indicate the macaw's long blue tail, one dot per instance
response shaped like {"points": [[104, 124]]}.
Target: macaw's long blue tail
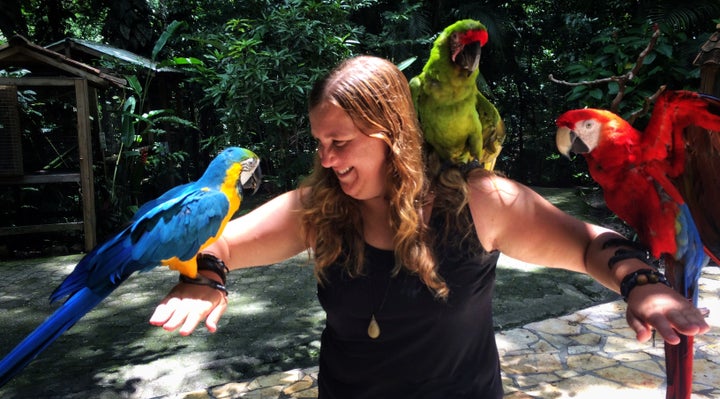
{"points": [[47, 332]]}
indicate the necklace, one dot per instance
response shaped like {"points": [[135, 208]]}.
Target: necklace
{"points": [[373, 329]]}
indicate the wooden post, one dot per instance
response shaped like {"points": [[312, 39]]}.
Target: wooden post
{"points": [[708, 59], [85, 152]]}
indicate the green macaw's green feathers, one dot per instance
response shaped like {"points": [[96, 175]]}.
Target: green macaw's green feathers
{"points": [[457, 120]]}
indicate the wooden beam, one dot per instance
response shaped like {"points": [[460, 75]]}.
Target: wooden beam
{"points": [[40, 228], [8, 52], [65, 67], [41, 179], [86, 173], [47, 81]]}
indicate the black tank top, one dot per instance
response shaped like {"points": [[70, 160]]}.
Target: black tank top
{"points": [[428, 348]]}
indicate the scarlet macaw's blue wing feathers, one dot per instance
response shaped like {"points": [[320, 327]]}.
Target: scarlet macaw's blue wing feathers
{"points": [[690, 253], [169, 230]]}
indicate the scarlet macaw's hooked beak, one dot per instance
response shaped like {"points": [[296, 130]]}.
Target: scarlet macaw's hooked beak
{"points": [[568, 142]]}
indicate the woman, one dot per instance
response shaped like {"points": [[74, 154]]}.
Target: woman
{"points": [[405, 251]]}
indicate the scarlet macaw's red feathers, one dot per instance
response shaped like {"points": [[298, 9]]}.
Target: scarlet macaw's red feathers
{"points": [[664, 183]]}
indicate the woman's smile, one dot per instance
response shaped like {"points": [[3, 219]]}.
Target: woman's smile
{"points": [[341, 142], [343, 172]]}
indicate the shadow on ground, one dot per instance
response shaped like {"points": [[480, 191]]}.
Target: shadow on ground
{"points": [[273, 324]]}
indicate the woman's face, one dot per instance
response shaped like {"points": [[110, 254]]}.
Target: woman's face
{"points": [[358, 160]]}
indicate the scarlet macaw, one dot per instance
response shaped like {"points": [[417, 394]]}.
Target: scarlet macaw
{"points": [[457, 120], [664, 185], [169, 230]]}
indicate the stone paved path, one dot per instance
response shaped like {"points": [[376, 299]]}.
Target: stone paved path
{"points": [[590, 353]]}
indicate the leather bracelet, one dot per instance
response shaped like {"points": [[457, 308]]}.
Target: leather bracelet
{"points": [[211, 263], [202, 280], [636, 251], [641, 277]]}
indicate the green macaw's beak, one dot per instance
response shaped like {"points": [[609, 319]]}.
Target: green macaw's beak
{"points": [[468, 58]]}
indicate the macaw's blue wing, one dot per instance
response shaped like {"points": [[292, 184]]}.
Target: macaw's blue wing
{"points": [[180, 229], [691, 254], [177, 228], [170, 195]]}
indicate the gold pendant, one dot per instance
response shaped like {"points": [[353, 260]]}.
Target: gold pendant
{"points": [[373, 328]]}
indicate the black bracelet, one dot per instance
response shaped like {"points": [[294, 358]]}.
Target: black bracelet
{"points": [[202, 280], [213, 264], [637, 251], [641, 277]]}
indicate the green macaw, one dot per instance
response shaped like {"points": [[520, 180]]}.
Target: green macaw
{"points": [[457, 120]]}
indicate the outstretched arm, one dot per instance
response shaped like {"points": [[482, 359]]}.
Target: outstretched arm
{"points": [[267, 235], [520, 223]]}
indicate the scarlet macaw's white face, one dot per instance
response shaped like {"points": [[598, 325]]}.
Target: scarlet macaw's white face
{"points": [[582, 138], [358, 160]]}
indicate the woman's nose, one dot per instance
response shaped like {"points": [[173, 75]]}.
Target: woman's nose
{"points": [[327, 157]]}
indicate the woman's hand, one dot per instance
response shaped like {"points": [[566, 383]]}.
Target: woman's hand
{"points": [[187, 305], [656, 306]]}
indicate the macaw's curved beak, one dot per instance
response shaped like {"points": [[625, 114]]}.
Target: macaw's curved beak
{"points": [[568, 142], [468, 58], [251, 175]]}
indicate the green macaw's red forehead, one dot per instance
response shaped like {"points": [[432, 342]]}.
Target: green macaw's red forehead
{"points": [[475, 35]]}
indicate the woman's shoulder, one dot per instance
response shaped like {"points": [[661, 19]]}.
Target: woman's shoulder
{"points": [[489, 185], [498, 205]]}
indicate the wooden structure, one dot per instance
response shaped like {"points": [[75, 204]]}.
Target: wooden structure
{"points": [[162, 91], [708, 59], [49, 69]]}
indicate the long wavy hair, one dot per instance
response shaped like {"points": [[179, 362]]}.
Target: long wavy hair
{"points": [[376, 96]]}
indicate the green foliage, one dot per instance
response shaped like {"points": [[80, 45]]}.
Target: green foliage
{"points": [[615, 53], [143, 166], [257, 75]]}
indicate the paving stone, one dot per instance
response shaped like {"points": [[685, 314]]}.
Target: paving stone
{"points": [[588, 339], [630, 378], [230, 390], [555, 327], [515, 339], [531, 363], [589, 362]]}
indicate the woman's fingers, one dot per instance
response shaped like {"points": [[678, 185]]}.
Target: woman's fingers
{"points": [[185, 309]]}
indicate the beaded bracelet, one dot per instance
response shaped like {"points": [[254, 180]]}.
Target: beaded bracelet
{"points": [[202, 280], [641, 277], [213, 264]]}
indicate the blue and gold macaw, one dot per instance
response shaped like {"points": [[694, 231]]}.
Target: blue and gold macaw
{"points": [[169, 230]]}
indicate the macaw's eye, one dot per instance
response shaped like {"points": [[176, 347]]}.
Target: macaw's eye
{"points": [[588, 124]]}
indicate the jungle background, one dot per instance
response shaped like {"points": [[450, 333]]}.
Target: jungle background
{"points": [[246, 68]]}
